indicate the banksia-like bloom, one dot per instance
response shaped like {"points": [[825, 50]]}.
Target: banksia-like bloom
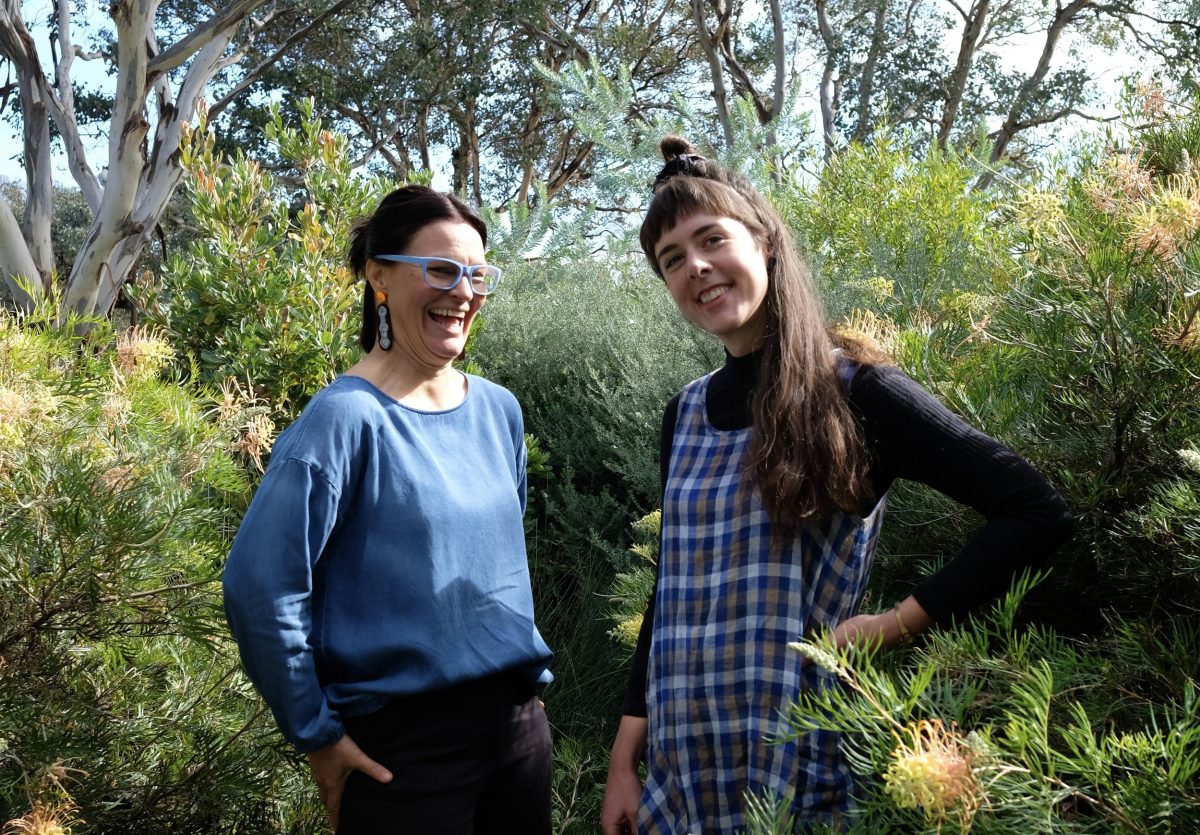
{"points": [[869, 328], [820, 656], [13, 407], [1191, 459], [141, 351], [880, 288], [232, 398], [22, 408], [931, 771], [1154, 100], [1119, 181], [649, 525], [115, 411], [256, 438], [1166, 225], [43, 819], [979, 330]]}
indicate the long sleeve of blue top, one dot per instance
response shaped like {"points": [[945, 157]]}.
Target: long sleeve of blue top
{"points": [[383, 555]]}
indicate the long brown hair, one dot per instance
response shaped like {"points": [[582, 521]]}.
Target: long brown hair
{"points": [[806, 454]]}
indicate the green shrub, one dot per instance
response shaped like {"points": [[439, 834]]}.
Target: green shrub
{"points": [[263, 294], [994, 728], [122, 704], [1101, 336]]}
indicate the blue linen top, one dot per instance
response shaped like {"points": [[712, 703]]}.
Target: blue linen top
{"points": [[383, 554]]}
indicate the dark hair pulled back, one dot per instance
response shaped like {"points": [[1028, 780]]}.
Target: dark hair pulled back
{"points": [[806, 453], [390, 229]]}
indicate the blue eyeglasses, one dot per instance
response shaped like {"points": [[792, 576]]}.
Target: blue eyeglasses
{"points": [[444, 274]]}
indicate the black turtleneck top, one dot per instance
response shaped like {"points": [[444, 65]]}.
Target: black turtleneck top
{"points": [[910, 435]]}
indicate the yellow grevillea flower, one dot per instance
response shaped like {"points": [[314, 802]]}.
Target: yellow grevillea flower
{"points": [[255, 438], [870, 328], [820, 656], [43, 819], [1040, 213], [21, 408], [141, 351], [1119, 181], [1152, 98], [626, 632], [931, 771]]}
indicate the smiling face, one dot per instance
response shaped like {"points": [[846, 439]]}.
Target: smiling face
{"points": [[717, 274], [430, 326]]}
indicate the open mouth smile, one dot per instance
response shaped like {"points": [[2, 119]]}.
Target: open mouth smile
{"points": [[447, 316], [713, 293]]}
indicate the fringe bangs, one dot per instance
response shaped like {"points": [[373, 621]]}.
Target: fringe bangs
{"points": [[682, 197]]}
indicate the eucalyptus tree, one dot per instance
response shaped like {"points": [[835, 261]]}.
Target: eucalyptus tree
{"points": [[421, 87], [162, 57], [949, 68]]}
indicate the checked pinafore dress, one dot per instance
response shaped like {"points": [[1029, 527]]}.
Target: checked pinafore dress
{"points": [[728, 603]]}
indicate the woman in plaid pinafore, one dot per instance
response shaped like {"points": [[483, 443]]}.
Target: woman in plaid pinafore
{"points": [[775, 469]]}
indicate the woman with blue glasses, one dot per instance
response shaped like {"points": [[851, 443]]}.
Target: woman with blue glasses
{"points": [[378, 587]]}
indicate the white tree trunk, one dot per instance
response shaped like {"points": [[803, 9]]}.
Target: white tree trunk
{"points": [[142, 171], [15, 259], [39, 194], [140, 185]]}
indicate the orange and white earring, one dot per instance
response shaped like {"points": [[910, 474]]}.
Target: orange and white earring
{"points": [[384, 330]]}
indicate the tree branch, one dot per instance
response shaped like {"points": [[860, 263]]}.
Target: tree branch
{"points": [[866, 86], [780, 59], [227, 18], [16, 44], [1012, 123], [967, 47], [253, 75], [714, 66], [62, 72], [832, 48]]}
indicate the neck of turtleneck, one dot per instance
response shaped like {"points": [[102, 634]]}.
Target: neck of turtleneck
{"points": [[729, 402]]}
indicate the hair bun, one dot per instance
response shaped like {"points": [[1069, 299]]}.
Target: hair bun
{"points": [[674, 146]]}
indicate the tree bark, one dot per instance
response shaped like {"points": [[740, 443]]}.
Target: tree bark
{"points": [[866, 88], [139, 184], [15, 260], [714, 66], [1013, 122], [973, 26], [423, 136], [780, 56], [825, 91], [39, 182]]}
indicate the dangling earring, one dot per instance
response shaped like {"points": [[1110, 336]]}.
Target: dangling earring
{"points": [[385, 321]]}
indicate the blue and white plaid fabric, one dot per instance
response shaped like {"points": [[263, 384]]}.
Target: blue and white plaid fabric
{"points": [[720, 671]]}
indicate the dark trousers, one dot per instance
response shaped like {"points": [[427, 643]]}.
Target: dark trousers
{"points": [[473, 759]]}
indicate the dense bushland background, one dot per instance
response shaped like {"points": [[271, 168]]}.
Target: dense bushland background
{"points": [[1060, 313]]}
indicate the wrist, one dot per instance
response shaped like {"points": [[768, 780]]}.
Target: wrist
{"points": [[904, 636], [910, 615], [628, 746]]}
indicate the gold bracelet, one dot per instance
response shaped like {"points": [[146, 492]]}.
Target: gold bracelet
{"points": [[906, 637]]}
